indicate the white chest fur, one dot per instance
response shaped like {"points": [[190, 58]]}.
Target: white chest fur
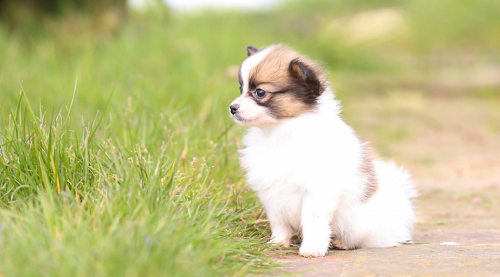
{"points": [[314, 153]]}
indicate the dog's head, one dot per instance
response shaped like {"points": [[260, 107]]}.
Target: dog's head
{"points": [[276, 83]]}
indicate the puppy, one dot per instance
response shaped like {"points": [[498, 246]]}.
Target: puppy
{"points": [[311, 172]]}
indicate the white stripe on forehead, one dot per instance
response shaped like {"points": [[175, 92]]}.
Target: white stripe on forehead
{"points": [[251, 62]]}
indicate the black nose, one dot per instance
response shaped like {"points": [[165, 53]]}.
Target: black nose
{"points": [[234, 108]]}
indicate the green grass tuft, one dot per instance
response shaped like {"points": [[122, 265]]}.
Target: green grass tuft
{"points": [[80, 204]]}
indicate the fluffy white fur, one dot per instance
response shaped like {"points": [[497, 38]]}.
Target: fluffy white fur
{"points": [[306, 173]]}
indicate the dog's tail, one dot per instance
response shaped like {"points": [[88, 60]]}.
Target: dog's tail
{"points": [[395, 177]]}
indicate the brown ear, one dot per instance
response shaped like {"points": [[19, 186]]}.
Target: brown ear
{"points": [[305, 76], [251, 50]]}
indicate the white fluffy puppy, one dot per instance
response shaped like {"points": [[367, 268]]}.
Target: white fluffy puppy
{"points": [[311, 172]]}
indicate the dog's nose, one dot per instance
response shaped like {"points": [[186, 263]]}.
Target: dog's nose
{"points": [[234, 108]]}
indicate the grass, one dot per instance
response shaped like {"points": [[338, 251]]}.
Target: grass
{"points": [[80, 205], [117, 157]]}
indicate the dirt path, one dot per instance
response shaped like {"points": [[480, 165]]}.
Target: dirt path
{"points": [[408, 260]]}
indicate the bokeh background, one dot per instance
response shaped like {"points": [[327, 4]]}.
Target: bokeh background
{"points": [[419, 80]]}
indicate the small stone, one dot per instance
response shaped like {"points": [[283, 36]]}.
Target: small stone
{"points": [[448, 243]]}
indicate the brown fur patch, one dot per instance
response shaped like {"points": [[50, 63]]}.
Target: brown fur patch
{"points": [[286, 96], [367, 170], [287, 106], [274, 68]]}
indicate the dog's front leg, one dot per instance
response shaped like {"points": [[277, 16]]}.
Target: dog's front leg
{"points": [[317, 213], [281, 230]]}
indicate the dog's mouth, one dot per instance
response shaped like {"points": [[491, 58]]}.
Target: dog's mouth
{"points": [[243, 121], [238, 118]]}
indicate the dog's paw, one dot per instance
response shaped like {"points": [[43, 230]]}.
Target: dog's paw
{"points": [[280, 241], [313, 250], [338, 244]]}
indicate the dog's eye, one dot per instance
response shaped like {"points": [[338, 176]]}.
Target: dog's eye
{"points": [[260, 93], [241, 89]]}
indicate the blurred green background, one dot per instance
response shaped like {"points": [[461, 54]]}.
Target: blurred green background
{"points": [[420, 80], [395, 51]]}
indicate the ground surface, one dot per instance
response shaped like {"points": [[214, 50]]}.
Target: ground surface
{"points": [[459, 196]]}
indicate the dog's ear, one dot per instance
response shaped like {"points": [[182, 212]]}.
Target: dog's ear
{"points": [[251, 50], [305, 76]]}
